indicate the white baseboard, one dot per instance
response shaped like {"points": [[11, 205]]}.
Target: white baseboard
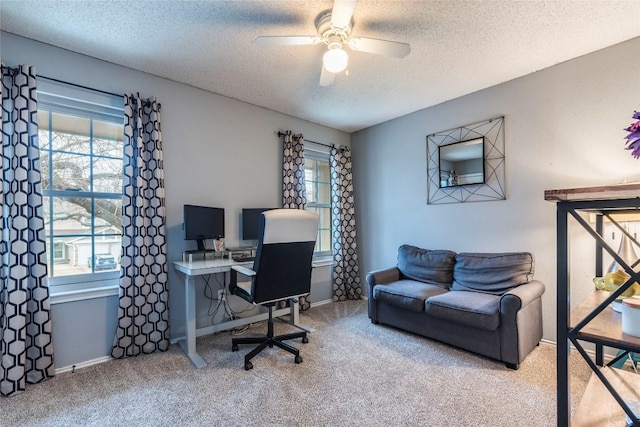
{"points": [[607, 357], [316, 304], [83, 364]]}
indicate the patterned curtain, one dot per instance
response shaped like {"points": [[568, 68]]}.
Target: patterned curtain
{"points": [[293, 188], [143, 324], [346, 274], [26, 348]]}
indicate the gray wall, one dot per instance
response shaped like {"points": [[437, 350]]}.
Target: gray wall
{"points": [[563, 129], [83, 330], [217, 152]]}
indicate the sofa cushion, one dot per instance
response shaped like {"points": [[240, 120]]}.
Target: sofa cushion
{"points": [[429, 266], [475, 309], [407, 294], [492, 273]]}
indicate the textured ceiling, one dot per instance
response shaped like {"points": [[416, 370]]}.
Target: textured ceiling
{"points": [[457, 47]]}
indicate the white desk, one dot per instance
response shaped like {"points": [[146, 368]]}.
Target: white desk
{"points": [[212, 266]]}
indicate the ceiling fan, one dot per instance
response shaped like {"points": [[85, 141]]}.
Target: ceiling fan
{"points": [[334, 30]]}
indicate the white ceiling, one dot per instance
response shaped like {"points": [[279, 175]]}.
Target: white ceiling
{"points": [[457, 47]]}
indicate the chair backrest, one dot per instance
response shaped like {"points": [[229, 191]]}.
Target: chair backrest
{"points": [[284, 254]]}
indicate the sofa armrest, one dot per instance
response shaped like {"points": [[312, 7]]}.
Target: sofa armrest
{"points": [[521, 296], [379, 277], [520, 321]]}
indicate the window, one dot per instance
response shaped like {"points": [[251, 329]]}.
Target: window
{"points": [[59, 251], [81, 154], [317, 173]]}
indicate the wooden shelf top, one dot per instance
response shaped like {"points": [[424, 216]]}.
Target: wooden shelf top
{"points": [[598, 408], [606, 325], [605, 192]]}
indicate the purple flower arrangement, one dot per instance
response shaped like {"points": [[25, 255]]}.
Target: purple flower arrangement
{"points": [[633, 139]]}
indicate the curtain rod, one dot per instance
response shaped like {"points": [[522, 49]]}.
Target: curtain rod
{"points": [[15, 69], [308, 140], [40, 76], [144, 102], [80, 86]]}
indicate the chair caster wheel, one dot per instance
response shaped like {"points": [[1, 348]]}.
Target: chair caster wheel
{"points": [[298, 359], [305, 340], [234, 347], [248, 366]]}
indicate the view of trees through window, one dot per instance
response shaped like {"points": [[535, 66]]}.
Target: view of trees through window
{"points": [[318, 191], [81, 163]]}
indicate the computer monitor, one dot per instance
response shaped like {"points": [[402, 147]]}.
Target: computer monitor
{"points": [[250, 222], [202, 222]]}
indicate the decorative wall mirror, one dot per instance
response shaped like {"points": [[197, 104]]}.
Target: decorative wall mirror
{"points": [[480, 176], [461, 163]]}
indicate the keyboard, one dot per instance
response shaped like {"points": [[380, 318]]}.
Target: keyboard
{"points": [[243, 258]]}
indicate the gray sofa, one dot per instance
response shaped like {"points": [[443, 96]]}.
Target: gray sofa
{"points": [[487, 303]]}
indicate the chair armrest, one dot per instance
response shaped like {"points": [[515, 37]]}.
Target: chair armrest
{"points": [[243, 270], [236, 289], [521, 296]]}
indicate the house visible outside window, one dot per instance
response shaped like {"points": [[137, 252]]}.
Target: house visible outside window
{"points": [[81, 154], [318, 190], [59, 251]]}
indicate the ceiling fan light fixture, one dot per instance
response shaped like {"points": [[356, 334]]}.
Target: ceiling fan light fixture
{"points": [[333, 28], [335, 60]]}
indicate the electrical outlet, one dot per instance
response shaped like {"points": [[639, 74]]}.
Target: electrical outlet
{"points": [[220, 294]]}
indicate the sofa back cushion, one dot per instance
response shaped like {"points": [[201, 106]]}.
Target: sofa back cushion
{"points": [[429, 266], [492, 273]]}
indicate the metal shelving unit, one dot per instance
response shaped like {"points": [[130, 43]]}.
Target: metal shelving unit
{"points": [[593, 320]]}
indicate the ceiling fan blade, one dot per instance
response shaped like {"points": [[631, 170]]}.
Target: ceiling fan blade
{"points": [[342, 13], [380, 47], [326, 78], [287, 40]]}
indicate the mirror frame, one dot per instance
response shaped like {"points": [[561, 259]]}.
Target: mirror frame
{"points": [[460, 144], [493, 188]]}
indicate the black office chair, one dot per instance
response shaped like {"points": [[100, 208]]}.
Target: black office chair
{"points": [[281, 271]]}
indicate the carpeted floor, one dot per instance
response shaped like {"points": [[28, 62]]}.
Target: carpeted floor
{"points": [[354, 373]]}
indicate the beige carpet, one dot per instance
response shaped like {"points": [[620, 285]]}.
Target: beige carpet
{"points": [[354, 373]]}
